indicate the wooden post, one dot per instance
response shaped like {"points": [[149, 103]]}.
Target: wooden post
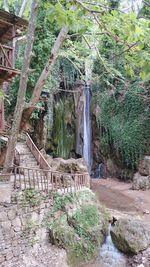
{"points": [[2, 119]]}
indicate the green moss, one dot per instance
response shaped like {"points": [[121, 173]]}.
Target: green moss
{"points": [[79, 224], [64, 128]]}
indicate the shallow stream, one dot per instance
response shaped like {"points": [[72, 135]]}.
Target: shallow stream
{"points": [[109, 255]]}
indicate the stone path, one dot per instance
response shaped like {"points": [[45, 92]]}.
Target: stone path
{"points": [[44, 256]]}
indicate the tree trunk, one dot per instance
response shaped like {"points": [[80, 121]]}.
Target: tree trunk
{"points": [[22, 90], [44, 75]]}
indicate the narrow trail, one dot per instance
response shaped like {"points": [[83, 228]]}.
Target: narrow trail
{"points": [[117, 195]]}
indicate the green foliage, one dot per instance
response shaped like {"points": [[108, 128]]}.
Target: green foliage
{"points": [[15, 5], [124, 124], [31, 197], [145, 11], [85, 218], [77, 224], [121, 94]]}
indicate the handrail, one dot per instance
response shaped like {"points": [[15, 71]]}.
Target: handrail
{"points": [[57, 172], [37, 154], [47, 180]]}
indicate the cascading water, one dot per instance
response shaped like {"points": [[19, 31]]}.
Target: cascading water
{"points": [[131, 5], [110, 256], [87, 127]]}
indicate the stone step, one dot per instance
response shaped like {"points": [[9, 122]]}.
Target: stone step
{"points": [[33, 161]]}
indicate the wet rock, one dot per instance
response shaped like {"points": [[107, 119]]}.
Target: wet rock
{"points": [[141, 259], [131, 235]]}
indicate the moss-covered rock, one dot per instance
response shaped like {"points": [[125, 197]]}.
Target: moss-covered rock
{"points": [[131, 235], [79, 224]]}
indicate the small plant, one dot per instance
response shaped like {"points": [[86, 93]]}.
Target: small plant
{"points": [[30, 226], [31, 197]]}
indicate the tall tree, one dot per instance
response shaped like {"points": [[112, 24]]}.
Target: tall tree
{"points": [[22, 89], [44, 75]]}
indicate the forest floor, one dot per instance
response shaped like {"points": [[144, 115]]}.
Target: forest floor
{"points": [[118, 195]]}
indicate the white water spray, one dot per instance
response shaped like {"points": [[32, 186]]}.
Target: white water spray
{"points": [[87, 126], [110, 256], [131, 5]]}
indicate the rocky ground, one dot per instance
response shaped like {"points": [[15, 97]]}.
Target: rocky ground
{"points": [[45, 256], [140, 260]]}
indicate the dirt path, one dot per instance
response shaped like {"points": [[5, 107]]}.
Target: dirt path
{"points": [[117, 195]]}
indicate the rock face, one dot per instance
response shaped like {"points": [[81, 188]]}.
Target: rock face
{"points": [[79, 224], [144, 166], [141, 179], [142, 258], [130, 235], [69, 166], [140, 182], [42, 257]]}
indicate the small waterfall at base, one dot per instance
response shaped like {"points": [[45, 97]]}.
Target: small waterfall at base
{"points": [[110, 256], [87, 127]]}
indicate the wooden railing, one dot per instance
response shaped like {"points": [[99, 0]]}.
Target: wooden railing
{"points": [[6, 56], [48, 181], [37, 154]]}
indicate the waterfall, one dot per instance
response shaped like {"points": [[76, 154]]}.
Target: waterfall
{"points": [[131, 5], [110, 255], [87, 127]]}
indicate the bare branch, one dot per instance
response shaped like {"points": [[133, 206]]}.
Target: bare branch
{"points": [[126, 50], [88, 9], [104, 6]]}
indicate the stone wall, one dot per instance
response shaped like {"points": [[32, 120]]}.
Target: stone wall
{"points": [[21, 229]]}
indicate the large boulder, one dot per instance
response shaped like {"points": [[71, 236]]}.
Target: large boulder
{"points": [[79, 224], [68, 165], [140, 182], [131, 235], [144, 166]]}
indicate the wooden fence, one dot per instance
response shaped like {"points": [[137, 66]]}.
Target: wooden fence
{"points": [[48, 181], [6, 56]]}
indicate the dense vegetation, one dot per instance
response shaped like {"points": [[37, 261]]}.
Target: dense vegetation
{"points": [[117, 43], [124, 105]]}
